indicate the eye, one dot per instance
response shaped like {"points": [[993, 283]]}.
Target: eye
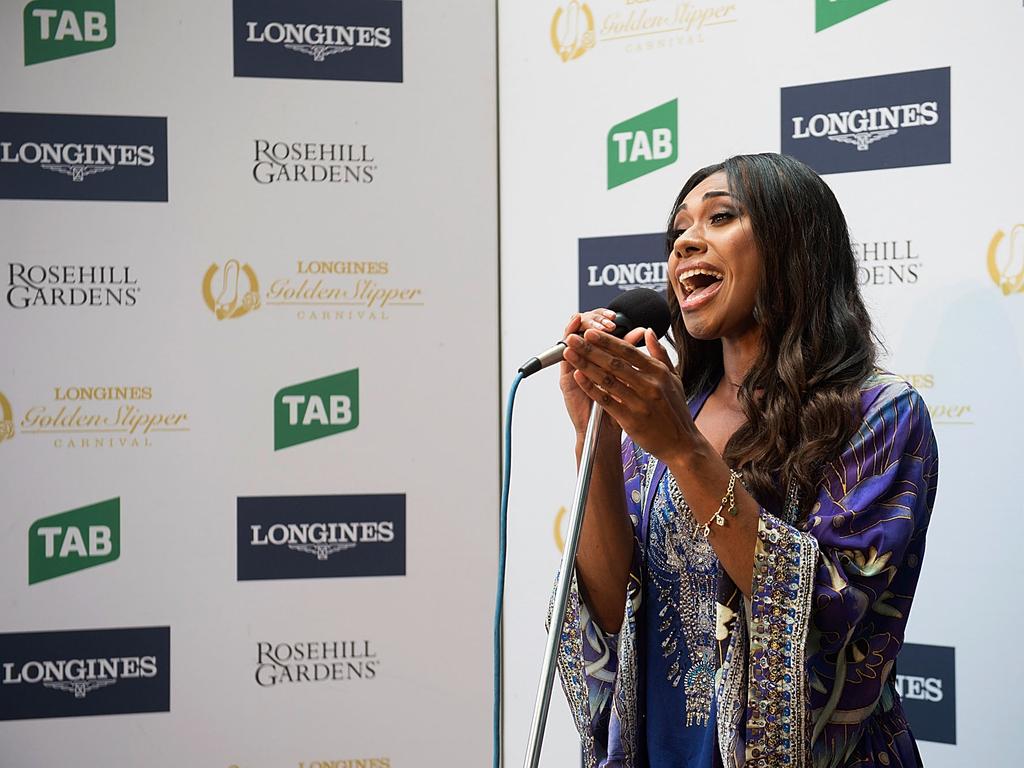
{"points": [[675, 234], [721, 217]]}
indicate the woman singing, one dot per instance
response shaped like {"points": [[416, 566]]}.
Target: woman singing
{"points": [[750, 551]]}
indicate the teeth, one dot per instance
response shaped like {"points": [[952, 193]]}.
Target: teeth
{"points": [[685, 277]]}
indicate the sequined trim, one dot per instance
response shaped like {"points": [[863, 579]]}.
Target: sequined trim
{"points": [[731, 685], [571, 666], [625, 698], [783, 587]]}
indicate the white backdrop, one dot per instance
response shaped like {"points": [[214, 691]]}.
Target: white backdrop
{"points": [[949, 328], [429, 214]]}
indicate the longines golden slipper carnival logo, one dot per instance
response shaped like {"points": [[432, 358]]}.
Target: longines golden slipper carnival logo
{"points": [[6, 419], [635, 26], [350, 290], [572, 30], [238, 290], [104, 416], [1006, 260]]}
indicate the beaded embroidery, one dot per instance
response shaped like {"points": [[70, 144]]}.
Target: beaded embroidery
{"points": [[684, 570], [571, 668]]}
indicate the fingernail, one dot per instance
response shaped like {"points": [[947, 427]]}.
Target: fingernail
{"points": [[609, 313], [608, 323]]}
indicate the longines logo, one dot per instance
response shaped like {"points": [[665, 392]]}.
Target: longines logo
{"points": [[74, 540], [303, 537], [926, 681], [82, 157], [55, 29], [307, 39], [944, 412], [828, 13], [891, 121], [67, 285], [637, 26], [887, 262], [610, 265], [1006, 260], [85, 672], [105, 416], [315, 290], [311, 162], [315, 662]]}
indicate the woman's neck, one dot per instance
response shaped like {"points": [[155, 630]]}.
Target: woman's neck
{"points": [[738, 356]]}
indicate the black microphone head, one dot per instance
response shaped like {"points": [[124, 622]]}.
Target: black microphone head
{"points": [[644, 308]]}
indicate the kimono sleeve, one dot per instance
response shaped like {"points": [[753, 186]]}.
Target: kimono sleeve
{"points": [[829, 603], [590, 661]]}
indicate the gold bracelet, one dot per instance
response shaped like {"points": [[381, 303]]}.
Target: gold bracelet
{"points": [[728, 503]]}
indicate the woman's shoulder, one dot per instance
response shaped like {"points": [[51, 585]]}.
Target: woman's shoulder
{"points": [[892, 407], [882, 389]]}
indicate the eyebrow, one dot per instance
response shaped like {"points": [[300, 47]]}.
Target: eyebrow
{"points": [[708, 195]]}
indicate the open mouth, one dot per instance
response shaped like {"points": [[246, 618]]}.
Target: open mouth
{"points": [[700, 282]]}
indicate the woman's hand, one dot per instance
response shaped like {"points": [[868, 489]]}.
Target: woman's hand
{"points": [[640, 392], [577, 402]]}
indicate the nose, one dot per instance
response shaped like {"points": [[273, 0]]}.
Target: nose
{"points": [[690, 243]]}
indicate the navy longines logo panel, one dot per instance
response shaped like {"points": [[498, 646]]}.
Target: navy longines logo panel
{"points": [[926, 682], [310, 537], [611, 265], [314, 40], [85, 672], [82, 157], [891, 121]]}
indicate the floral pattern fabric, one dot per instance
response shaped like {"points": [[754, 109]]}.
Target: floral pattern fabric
{"points": [[805, 667]]}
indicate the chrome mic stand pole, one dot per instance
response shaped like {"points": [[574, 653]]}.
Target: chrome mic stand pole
{"points": [[572, 541]]}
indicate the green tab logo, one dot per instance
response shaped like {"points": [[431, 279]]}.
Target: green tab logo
{"points": [[828, 13], [642, 144], [55, 29], [75, 540], [316, 409]]}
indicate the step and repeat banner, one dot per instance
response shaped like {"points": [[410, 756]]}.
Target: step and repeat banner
{"points": [[908, 110], [249, 385]]}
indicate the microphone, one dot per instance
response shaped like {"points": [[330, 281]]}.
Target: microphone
{"points": [[638, 308]]}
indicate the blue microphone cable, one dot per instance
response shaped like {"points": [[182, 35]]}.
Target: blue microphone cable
{"points": [[502, 544]]}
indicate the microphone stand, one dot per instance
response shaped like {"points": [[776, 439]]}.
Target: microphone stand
{"points": [[572, 541]]}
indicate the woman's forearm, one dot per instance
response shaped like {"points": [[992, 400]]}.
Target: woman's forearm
{"points": [[606, 540]]}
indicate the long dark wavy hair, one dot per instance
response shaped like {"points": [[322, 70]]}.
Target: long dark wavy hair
{"points": [[801, 396]]}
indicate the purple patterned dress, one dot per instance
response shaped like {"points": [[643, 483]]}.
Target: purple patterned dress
{"points": [[801, 674]]}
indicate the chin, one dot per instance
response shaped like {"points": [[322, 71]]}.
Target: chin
{"points": [[701, 329]]}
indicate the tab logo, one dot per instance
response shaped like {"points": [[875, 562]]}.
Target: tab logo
{"points": [[316, 409], [611, 265], [56, 29], [642, 144], [828, 13], [75, 540]]}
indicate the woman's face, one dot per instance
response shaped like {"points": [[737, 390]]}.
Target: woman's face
{"points": [[714, 267]]}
